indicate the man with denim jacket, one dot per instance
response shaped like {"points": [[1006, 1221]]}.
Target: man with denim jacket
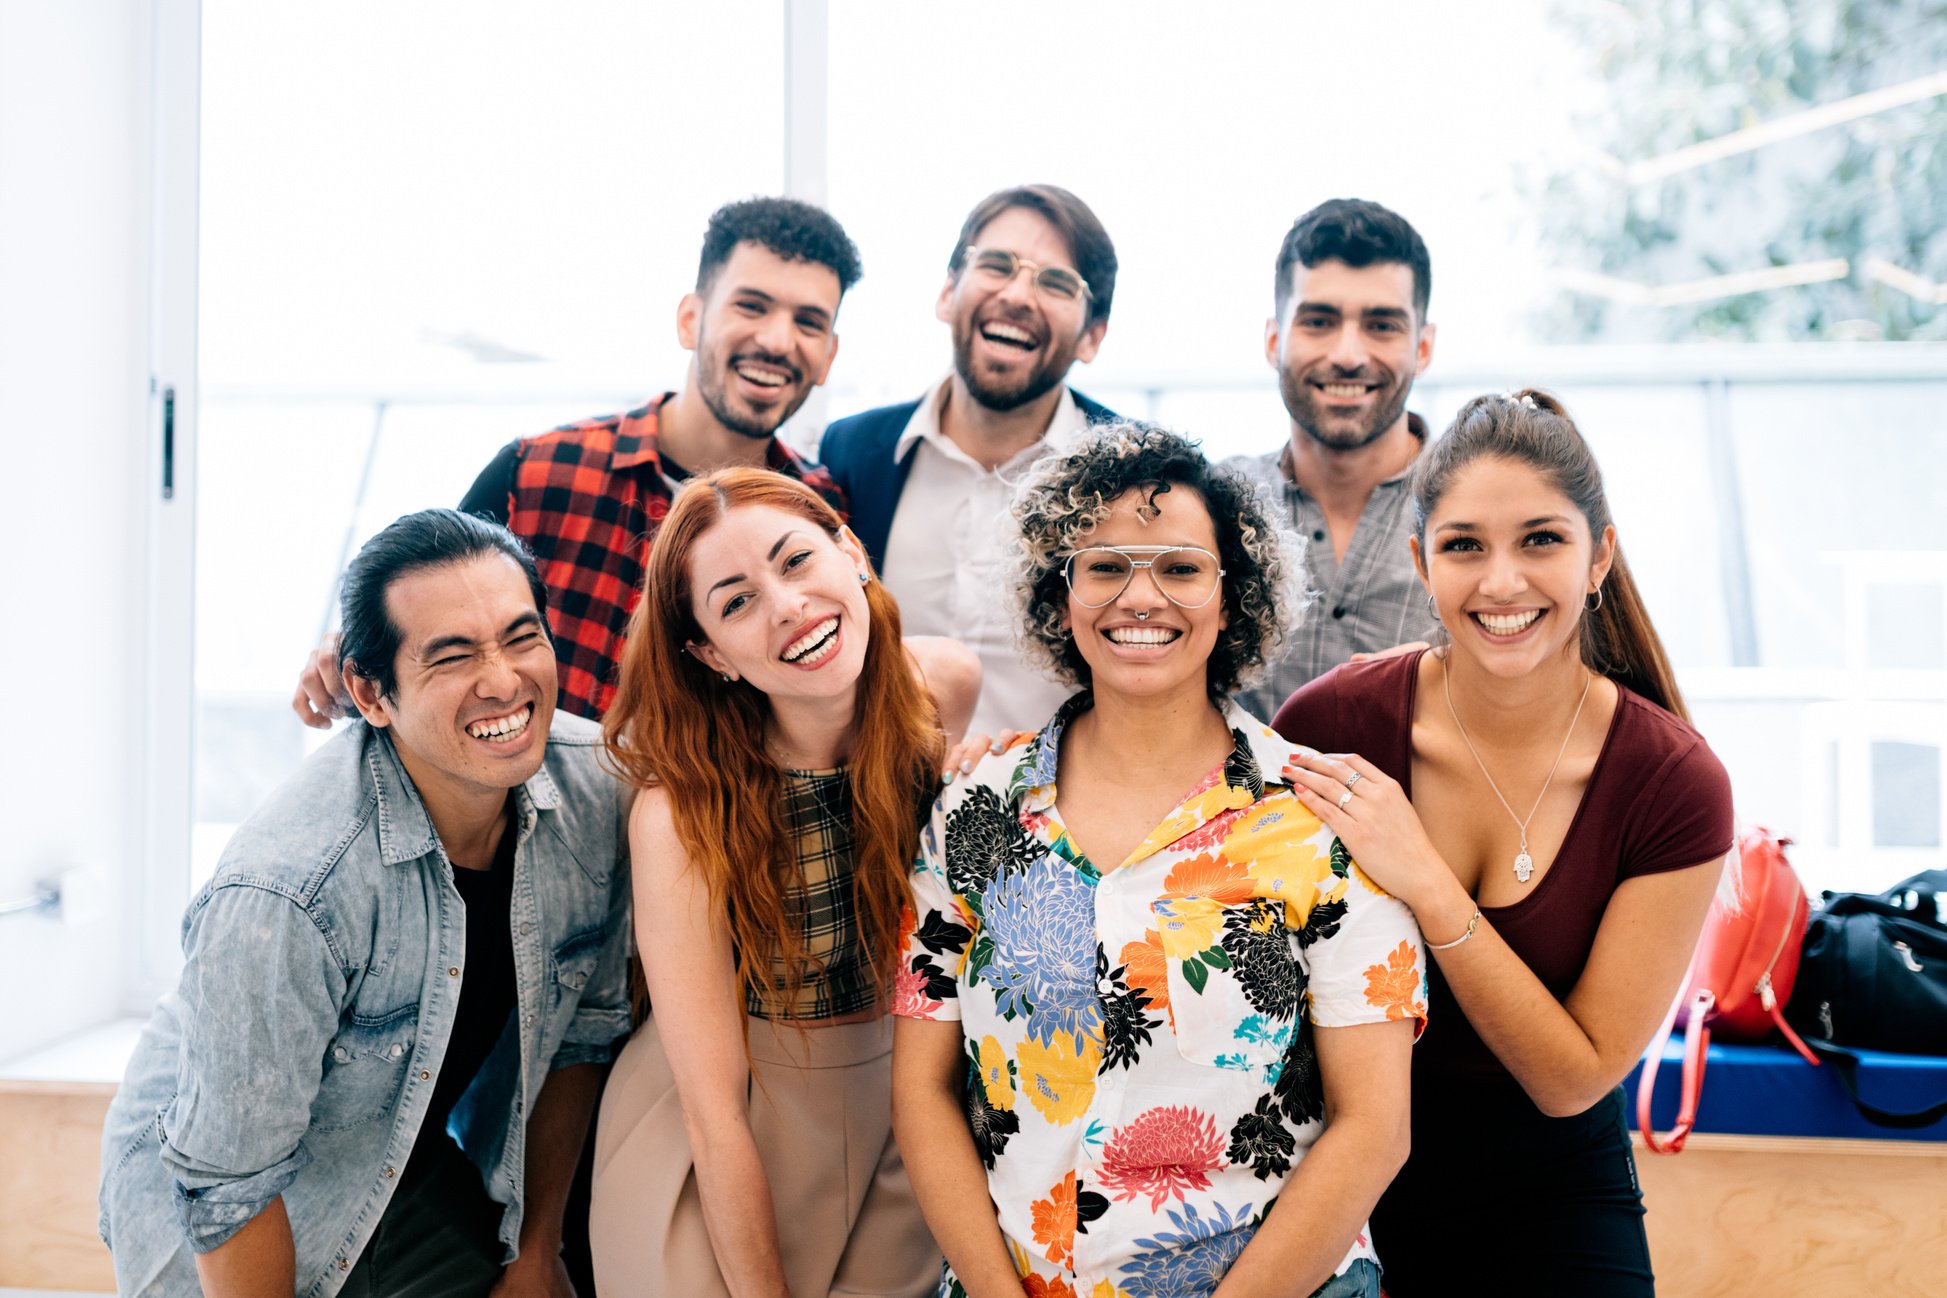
{"points": [[380, 1063]]}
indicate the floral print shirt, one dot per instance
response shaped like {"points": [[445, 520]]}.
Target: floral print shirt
{"points": [[1141, 1079]]}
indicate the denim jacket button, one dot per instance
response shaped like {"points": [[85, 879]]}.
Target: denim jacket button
{"points": [[425, 1076], [390, 1173], [526, 928], [453, 972], [343, 1265], [340, 1054]]}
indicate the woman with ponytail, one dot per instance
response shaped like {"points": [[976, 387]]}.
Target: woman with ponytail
{"points": [[787, 746], [1533, 791]]}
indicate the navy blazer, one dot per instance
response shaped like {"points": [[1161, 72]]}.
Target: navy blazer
{"points": [[857, 452]]}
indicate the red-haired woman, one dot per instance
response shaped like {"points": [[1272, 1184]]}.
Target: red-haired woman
{"points": [[787, 745], [1574, 826]]}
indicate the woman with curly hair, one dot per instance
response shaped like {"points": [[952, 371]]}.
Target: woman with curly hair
{"points": [[786, 746], [1139, 975], [1533, 791]]}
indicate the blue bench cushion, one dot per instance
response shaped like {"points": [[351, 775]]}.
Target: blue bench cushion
{"points": [[1770, 1091]]}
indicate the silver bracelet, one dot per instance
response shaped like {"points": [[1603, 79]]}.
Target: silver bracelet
{"points": [[1472, 924]]}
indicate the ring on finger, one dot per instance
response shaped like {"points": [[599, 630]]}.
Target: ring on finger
{"points": [[1352, 779], [1344, 798]]}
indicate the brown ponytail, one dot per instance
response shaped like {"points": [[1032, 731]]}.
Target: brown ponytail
{"points": [[1530, 427]]}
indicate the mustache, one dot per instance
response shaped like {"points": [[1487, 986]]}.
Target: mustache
{"points": [[1335, 374]]}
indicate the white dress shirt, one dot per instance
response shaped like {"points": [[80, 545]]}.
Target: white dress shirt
{"points": [[949, 559]]}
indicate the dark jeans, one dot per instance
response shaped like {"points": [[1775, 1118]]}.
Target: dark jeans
{"points": [[1499, 1198], [439, 1237]]}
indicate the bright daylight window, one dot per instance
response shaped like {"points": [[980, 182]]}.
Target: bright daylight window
{"points": [[429, 229]]}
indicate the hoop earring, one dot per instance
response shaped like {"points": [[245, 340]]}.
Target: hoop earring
{"points": [[1431, 611], [1596, 596]]}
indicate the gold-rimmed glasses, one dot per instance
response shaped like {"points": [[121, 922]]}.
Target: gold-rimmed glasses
{"points": [[1002, 266], [1186, 575]]}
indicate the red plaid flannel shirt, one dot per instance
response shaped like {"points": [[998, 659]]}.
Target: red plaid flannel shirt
{"points": [[587, 499]]}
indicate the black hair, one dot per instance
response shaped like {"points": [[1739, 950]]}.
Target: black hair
{"points": [[368, 639], [1068, 496], [793, 229], [1089, 243], [1358, 233]]}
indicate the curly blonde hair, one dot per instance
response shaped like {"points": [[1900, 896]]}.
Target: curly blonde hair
{"points": [[1069, 494]]}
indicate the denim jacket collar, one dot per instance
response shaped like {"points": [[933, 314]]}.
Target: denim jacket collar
{"points": [[405, 828]]}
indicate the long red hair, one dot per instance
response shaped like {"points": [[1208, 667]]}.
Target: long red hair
{"points": [[677, 724]]}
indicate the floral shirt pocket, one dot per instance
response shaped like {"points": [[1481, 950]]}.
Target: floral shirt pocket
{"points": [[1235, 984]]}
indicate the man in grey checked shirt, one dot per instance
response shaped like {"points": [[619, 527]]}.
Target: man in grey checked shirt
{"points": [[1349, 338]]}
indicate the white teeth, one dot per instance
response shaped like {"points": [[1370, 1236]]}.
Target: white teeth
{"points": [[1008, 333], [500, 729], [1143, 635], [763, 377], [813, 645], [1344, 389], [1510, 623]]}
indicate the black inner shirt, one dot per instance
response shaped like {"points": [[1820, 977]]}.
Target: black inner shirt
{"points": [[487, 995]]}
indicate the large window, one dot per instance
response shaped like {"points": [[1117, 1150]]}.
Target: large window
{"points": [[426, 230], [430, 228]]}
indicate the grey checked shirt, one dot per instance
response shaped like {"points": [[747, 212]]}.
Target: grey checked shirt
{"points": [[1372, 601]]}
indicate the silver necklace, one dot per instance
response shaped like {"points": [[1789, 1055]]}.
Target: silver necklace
{"points": [[1524, 865]]}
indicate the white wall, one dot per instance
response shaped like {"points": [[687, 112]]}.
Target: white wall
{"points": [[74, 310]]}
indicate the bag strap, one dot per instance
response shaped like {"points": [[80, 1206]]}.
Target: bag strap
{"points": [[1845, 1066], [1696, 1040]]}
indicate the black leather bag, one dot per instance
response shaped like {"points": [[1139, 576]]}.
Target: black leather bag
{"points": [[1874, 969]]}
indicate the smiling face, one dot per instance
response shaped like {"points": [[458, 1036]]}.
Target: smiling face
{"points": [[1510, 563], [1348, 350], [779, 603], [762, 336], [1141, 644], [475, 676], [1014, 342]]}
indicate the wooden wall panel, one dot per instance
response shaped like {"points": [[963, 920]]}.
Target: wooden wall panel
{"points": [[1733, 1216], [50, 1159]]}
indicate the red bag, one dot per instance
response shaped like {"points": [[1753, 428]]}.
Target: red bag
{"points": [[1739, 979]]}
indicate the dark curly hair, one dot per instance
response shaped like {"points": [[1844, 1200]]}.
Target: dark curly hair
{"points": [[794, 230], [1070, 493]]}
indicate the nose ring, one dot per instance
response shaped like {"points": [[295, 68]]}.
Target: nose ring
{"points": [[1143, 616]]}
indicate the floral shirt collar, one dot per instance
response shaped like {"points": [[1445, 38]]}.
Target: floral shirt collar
{"points": [[1255, 751]]}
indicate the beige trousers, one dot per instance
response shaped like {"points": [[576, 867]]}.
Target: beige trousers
{"points": [[820, 1109]]}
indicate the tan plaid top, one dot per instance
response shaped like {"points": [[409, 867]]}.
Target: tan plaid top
{"points": [[838, 977]]}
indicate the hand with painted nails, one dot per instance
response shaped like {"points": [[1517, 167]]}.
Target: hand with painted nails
{"points": [[1371, 815], [965, 755]]}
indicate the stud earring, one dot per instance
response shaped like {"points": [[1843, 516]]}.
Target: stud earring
{"points": [[727, 678], [865, 579]]}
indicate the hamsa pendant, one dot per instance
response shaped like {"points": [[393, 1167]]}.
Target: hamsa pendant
{"points": [[1524, 866]]}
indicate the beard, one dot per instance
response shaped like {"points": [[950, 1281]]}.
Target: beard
{"points": [[713, 385], [1341, 432], [1004, 394]]}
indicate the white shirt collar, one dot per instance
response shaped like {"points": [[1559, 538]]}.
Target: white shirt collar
{"points": [[924, 426]]}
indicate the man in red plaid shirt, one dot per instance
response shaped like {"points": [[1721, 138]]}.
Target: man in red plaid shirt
{"points": [[588, 497]]}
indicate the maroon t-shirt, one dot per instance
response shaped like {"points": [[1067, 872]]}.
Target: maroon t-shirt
{"points": [[1658, 799]]}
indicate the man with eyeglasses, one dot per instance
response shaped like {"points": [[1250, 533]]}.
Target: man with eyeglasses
{"points": [[1029, 285], [1349, 337]]}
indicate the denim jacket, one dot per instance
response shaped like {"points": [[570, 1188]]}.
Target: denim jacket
{"points": [[322, 968]]}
